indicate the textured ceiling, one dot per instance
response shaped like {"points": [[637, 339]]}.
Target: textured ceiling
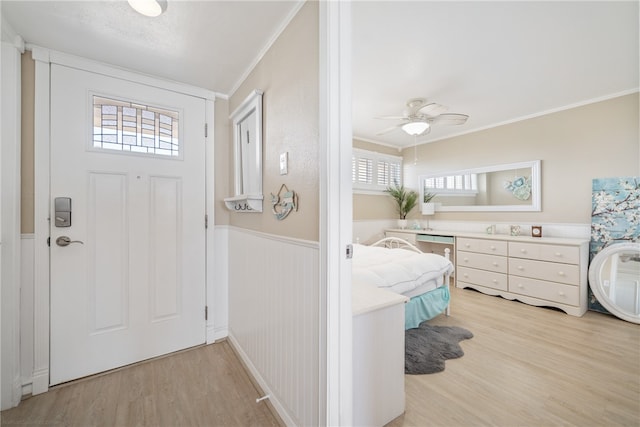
{"points": [[495, 61], [210, 44]]}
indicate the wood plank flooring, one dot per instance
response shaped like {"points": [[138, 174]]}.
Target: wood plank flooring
{"points": [[203, 386], [525, 366], [530, 366]]}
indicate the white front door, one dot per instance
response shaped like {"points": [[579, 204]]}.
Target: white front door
{"points": [[128, 165]]}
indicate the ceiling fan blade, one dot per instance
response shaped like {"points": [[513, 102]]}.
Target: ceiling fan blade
{"points": [[432, 109], [392, 117], [450, 119], [387, 130]]}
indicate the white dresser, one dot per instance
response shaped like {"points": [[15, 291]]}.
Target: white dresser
{"points": [[539, 271]]}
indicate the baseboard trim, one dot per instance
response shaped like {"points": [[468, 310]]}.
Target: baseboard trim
{"points": [[216, 334], [27, 388], [40, 383], [261, 385]]}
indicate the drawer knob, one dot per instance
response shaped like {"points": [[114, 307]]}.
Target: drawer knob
{"points": [[466, 259], [520, 285], [561, 293], [558, 254], [524, 251], [467, 245], [561, 273], [494, 281], [495, 264], [465, 275], [493, 248], [520, 268]]}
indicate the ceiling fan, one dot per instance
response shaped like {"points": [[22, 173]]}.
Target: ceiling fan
{"points": [[420, 115]]}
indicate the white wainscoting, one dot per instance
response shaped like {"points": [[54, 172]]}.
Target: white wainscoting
{"points": [[274, 319]]}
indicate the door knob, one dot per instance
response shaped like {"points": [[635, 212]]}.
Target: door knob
{"points": [[65, 241]]}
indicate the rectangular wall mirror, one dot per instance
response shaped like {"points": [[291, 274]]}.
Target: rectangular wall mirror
{"points": [[497, 188], [247, 143]]}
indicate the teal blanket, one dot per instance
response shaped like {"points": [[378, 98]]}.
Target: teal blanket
{"points": [[425, 307]]}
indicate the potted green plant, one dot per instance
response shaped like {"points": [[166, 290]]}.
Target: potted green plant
{"points": [[405, 200]]}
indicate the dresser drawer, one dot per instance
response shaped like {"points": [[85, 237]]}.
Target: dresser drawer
{"points": [[542, 252], [555, 272], [555, 292], [485, 262], [435, 238], [409, 237], [495, 247], [488, 279]]}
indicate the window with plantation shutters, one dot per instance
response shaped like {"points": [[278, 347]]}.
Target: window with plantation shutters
{"points": [[452, 185], [373, 172]]}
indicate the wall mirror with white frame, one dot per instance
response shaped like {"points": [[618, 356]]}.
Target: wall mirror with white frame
{"points": [[496, 188], [614, 279], [247, 145]]}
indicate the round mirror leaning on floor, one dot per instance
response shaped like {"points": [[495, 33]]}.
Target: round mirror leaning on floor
{"points": [[614, 278]]}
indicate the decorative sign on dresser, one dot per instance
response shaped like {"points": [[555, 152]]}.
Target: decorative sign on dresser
{"points": [[539, 271]]}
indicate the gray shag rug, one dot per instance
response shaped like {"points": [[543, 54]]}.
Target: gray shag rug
{"points": [[427, 347]]}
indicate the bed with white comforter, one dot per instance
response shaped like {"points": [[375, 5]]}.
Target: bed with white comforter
{"points": [[423, 277]]}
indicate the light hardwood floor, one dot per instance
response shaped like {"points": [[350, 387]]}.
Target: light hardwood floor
{"points": [[525, 366], [530, 366], [203, 386]]}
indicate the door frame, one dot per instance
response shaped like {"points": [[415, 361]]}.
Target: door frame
{"points": [[43, 59], [336, 218], [10, 205]]}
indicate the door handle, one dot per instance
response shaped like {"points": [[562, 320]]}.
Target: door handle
{"points": [[65, 241]]}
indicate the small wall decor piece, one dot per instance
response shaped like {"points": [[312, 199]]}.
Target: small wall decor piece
{"points": [[536, 230], [515, 230], [283, 203]]}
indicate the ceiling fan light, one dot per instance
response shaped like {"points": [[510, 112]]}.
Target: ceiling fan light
{"points": [[150, 8], [415, 128]]}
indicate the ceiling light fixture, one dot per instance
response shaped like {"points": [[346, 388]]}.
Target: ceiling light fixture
{"points": [[416, 127], [151, 8]]}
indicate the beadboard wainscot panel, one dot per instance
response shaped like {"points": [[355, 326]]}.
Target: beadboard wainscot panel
{"points": [[274, 318]]}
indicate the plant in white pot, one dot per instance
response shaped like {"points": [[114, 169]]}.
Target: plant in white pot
{"points": [[405, 200]]}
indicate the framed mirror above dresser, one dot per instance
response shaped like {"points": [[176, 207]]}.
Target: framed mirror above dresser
{"points": [[509, 187]]}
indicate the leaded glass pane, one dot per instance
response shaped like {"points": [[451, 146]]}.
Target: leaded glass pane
{"points": [[130, 127]]}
